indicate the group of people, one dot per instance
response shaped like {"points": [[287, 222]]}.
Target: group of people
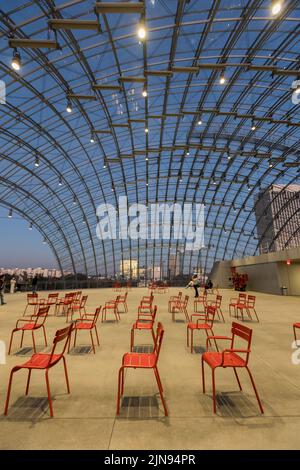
{"points": [[195, 283], [13, 283]]}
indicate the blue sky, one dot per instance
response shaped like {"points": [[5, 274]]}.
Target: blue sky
{"points": [[21, 247]]}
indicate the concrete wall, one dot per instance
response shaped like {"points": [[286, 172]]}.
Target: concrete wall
{"points": [[266, 273]]}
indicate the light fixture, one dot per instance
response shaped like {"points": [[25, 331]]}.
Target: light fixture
{"points": [[180, 176], [276, 7], [229, 157], [83, 221], [141, 32], [253, 126], [92, 138], [104, 166], [199, 122], [222, 79], [69, 108], [146, 130], [146, 159], [60, 181], [44, 241], [74, 201], [187, 153], [16, 60], [144, 93], [37, 161], [249, 187], [270, 165], [10, 213], [30, 226], [297, 91]]}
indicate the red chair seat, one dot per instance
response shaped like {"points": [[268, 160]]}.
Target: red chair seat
{"points": [[143, 326], [214, 359], [296, 325], [199, 326], [143, 360], [40, 361], [83, 326], [29, 326], [240, 305]]}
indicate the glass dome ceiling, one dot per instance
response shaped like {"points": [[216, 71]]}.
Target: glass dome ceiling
{"points": [[207, 142]]}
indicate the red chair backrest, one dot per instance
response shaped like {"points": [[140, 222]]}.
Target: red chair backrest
{"points": [[241, 332], [32, 298], [53, 296], [218, 300], [186, 299], [61, 335], [210, 313], [83, 301], [158, 340], [41, 315], [251, 300], [96, 315], [242, 297]]}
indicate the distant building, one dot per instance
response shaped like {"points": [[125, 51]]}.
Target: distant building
{"points": [[277, 212], [31, 272], [129, 268]]}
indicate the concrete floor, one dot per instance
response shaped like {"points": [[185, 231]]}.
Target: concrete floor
{"points": [[86, 418]]}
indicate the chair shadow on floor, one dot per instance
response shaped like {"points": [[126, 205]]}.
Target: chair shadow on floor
{"points": [[146, 407], [81, 350], [143, 348], [28, 351], [199, 349], [28, 409], [235, 404]]}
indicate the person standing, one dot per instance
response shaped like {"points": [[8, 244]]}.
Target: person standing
{"points": [[13, 285], [2, 289], [34, 284], [195, 283]]}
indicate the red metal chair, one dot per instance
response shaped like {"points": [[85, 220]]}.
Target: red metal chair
{"points": [[143, 361], [230, 358], [234, 301], [181, 307], [88, 323], [35, 323], [248, 306], [110, 307], [122, 300], [205, 322], [44, 362], [52, 300], [144, 322], [147, 299], [173, 299], [32, 299], [77, 307], [217, 304], [65, 303]]}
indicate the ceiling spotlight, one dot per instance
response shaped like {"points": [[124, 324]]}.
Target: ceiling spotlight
{"points": [[270, 165], [104, 166], [187, 153], [144, 93], [199, 122], [141, 32], [92, 139], [44, 241], [253, 127], [10, 213], [30, 226], [180, 177], [249, 187], [276, 7], [37, 161], [229, 157], [146, 130], [74, 201], [16, 60], [69, 108], [60, 182], [222, 79]]}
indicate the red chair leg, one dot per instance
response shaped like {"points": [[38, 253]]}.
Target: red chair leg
{"points": [[255, 314], [214, 390], [75, 338], [11, 338], [221, 313], [132, 339], [97, 335], [187, 336], [28, 381], [255, 390], [120, 387], [33, 341], [15, 369], [160, 390], [66, 374], [294, 328], [92, 341], [49, 394], [203, 377], [45, 336], [192, 340], [237, 378], [22, 337]]}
